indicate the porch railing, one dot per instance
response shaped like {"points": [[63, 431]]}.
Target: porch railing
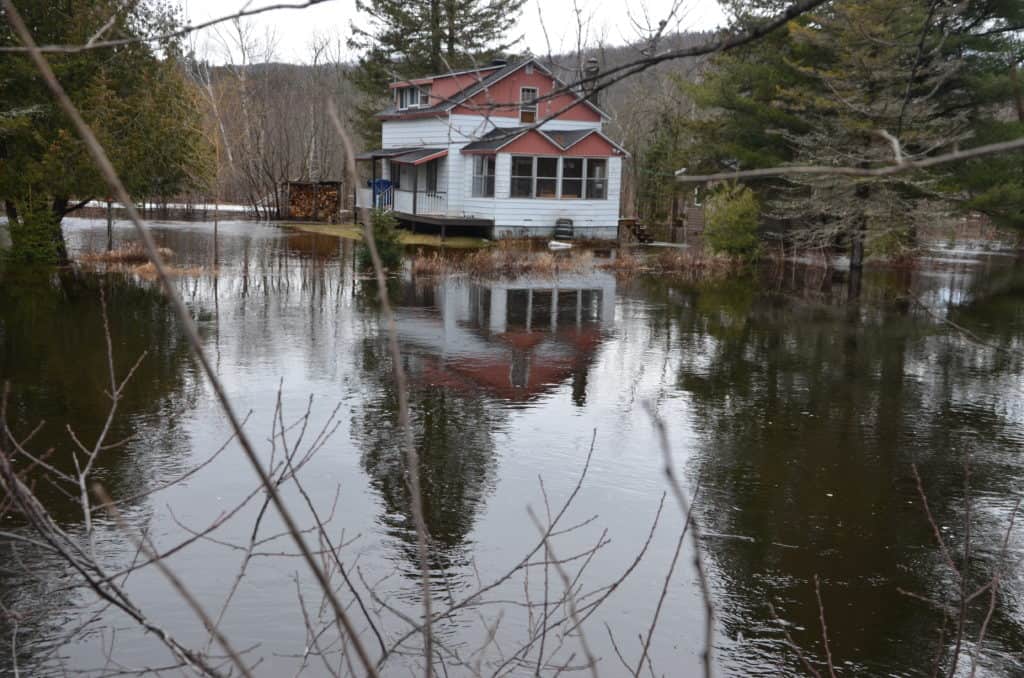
{"points": [[384, 200], [407, 202], [421, 202]]}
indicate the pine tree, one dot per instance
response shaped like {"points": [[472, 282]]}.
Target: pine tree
{"points": [[137, 102], [827, 89], [412, 38]]}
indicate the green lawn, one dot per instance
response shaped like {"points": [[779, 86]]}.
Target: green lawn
{"points": [[354, 232]]}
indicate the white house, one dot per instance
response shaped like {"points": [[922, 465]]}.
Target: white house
{"points": [[508, 150]]}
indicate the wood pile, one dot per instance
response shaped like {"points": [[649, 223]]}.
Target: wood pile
{"points": [[315, 201]]}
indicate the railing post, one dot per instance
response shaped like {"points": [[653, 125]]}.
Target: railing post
{"points": [[415, 186]]}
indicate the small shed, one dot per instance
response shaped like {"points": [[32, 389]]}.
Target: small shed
{"points": [[314, 200]]}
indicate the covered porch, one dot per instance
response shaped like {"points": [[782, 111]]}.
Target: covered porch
{"points": [[407, 181]]}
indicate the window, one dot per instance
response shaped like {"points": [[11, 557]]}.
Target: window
{"points": [[412, 97], [395, 173], [528, 104], [566, 178], [597, 179], [572, 178], [431, 177], [547, 178], [483, 176], [522, 177]]}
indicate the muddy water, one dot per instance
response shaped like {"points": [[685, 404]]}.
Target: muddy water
{"points": [[793, 412]]}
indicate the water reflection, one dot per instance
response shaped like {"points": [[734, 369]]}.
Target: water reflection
{"points": [[799, 408], [53, 355], [471, 350], [810, 416]]}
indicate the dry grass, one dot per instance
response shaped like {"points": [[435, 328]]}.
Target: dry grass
{"points": [[690, 264], [126, 254], [502, 261], [147, 271]]}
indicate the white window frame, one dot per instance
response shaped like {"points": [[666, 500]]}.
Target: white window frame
{"points": [[557, 177], [587, 179], [560, 162], [412, 97], [480, 163], [513, 177], [528, 106]]}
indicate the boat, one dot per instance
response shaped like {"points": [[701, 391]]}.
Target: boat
{"points": [[556, 246]]}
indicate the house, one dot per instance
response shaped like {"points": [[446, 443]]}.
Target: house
{"points": [[514, 339], [505, 150]]}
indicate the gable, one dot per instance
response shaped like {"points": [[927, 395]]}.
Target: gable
{"points": [[594, 146], [501, 99], [532, 143]]}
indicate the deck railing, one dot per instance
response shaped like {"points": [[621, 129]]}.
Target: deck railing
{"points": [[421, 202], [434, 203], [384, 200]]}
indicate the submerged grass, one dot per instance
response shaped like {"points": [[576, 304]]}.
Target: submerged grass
{"points": [[689, 264], [511, 258], [126, 254], [132, 258], [354, 232], [502, 261]]}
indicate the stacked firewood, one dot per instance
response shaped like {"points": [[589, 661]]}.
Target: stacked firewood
{"points": [[314, 201]]}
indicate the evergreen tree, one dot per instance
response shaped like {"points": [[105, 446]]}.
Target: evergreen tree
{"points": [[824, 89], [135, 98], [412, 38]]}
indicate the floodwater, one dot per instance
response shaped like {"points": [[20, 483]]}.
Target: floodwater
{"points": [[793, 412]]}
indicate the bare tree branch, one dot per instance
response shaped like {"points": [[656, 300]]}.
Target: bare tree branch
{"points": [[905, 166]]}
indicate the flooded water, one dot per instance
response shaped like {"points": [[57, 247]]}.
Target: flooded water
{"points": [[793, 412]]}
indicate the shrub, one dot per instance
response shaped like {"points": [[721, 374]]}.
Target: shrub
{"points": [[389, 245], [732, 215]]}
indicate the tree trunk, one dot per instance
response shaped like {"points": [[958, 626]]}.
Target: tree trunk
{"points": [[1018, 95], [110, 227], [435, 36], [860, 228], [36, 235]]}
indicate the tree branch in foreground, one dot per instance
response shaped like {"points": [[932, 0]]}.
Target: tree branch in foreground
{"points": [[106, 168], [905, 166], [180, 33]]}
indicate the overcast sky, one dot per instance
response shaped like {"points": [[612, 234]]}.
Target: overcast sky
{"points": [[614, 20]]}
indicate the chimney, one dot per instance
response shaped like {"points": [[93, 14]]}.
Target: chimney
{"points": [[590, 72]]}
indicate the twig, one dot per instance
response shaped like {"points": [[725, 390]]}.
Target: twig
{"points": [[106, 44], [698, 562], [108, 172], [820, 170], [993, 592], [824, 627], [173, 578], [412, 458]]}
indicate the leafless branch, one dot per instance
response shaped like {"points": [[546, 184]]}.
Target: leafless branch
{"points": [[889, 170], [107, 170]]}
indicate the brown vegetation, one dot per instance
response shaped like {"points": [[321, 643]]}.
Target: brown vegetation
{"points": [[132, 253], [687, 263], [501, 261]]}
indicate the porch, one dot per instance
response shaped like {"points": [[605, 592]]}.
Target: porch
{"points": [[399, 201], [410, 183]]}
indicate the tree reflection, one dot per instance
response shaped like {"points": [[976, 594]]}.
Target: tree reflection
{"points": [[454, 438], [53, 353], [809, 418]]}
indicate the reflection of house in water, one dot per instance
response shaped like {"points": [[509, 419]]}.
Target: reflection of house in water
{"points": [[513, 339]]}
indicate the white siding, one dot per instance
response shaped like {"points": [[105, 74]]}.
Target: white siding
{"points": [[534, 217], [598, 218]]}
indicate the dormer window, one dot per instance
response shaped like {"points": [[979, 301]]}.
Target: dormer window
{"points": [[528, 104], [412, 97]]}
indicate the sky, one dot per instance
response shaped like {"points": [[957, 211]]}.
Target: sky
{"points": [[614, 21]]}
